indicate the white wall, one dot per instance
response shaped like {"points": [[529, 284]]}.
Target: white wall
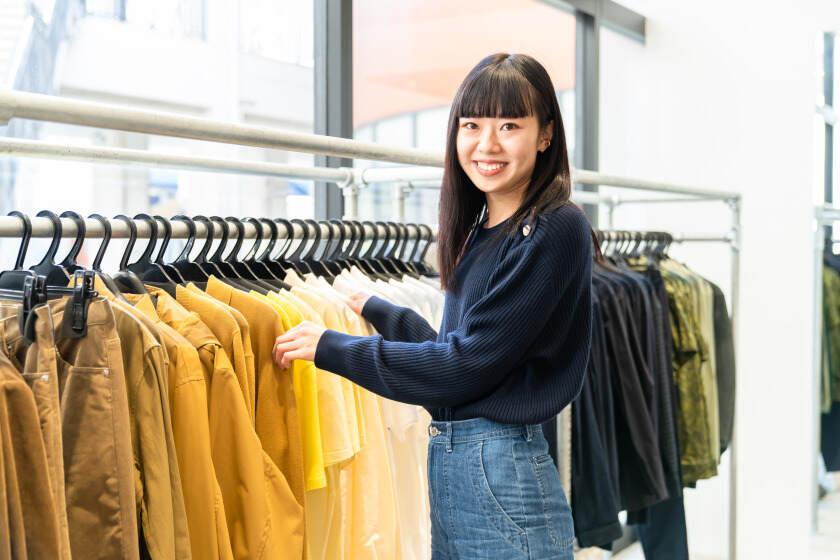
{"points": [[722, 95]]}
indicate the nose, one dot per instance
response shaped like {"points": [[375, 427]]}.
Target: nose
{"points": [[488, 142]]}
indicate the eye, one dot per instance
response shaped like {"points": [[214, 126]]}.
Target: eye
{"points": [[509, 126], [469, 125]]}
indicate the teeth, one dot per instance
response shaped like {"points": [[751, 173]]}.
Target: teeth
{"points": [[489, 166]]}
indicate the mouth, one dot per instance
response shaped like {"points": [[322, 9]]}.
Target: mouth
{"points": [[489, 168]]}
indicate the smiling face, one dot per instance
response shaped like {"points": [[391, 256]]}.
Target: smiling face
{"points": [[499, 154]]}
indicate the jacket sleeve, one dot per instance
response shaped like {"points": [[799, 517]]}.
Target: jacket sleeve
{"points": [[397, 323], [495, 335]]}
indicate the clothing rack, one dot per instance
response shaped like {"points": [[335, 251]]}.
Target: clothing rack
{"points": [[825, 216], [23, 105]]}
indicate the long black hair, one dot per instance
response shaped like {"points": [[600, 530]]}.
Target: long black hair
{"points": [[500, 86]]}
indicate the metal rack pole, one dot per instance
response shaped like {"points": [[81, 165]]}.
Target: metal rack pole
{"points": [[103, 154], [100, 115], [11, 226], [15, 104], [733, 239]]}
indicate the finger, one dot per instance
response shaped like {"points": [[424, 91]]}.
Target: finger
{"points": [[287, 346], [288, 357]]}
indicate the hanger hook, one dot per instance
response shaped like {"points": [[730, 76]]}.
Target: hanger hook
{"points": [[106, 239], [223, 241], [49, 258], [272, 241], [132, 239], [252, 252], [70, 260], [24, 242]]}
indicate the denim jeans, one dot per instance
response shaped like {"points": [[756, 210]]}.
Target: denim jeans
{"points": [[495, 493]]}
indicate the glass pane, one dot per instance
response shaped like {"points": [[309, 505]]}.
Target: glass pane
{"points": [[149, 69], [409, 58]]}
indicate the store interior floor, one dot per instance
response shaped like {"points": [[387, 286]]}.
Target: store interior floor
{"points": [[824, 545]]}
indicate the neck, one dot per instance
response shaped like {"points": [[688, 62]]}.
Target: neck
{"points": [[501, 206]]}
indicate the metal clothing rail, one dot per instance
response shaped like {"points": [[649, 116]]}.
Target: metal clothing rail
{"points": [[11, 226], [15, 104], [345, 177]]}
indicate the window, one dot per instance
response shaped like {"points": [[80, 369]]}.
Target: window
{"points": [[409, 58]]}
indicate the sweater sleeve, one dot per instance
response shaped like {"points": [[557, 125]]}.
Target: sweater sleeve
{"points": [[495, 335], [397, 323]]}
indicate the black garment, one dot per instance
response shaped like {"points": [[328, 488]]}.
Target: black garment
{"points": [[725, 361], [594, 506], [830, 437], [664, 536], [514, 343], [641, 478]]}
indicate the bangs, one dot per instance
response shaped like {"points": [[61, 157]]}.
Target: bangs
{"points": [[497, 92]]}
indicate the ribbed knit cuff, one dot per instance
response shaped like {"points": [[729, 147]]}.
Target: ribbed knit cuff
{"points": [[376, 309], [331, 352]]}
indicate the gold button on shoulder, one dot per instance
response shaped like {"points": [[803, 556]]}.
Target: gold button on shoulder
{"points": [[526, 229]]}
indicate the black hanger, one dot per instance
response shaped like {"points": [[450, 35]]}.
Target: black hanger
{"points": [[55, 274], [361, 258], [190, 271], [69, 263], [295, 258], [248, 277], [315, 262], [337, 247], [276, 267], [207, 266], [144, 261], [14, 279], [253, 259], [404, 254], [145, 267], [24, 242], [281, 258], [170, 270], [96, 265], [217, 258], [127, 279], [393, 255], [370, 255], [421, 258]]}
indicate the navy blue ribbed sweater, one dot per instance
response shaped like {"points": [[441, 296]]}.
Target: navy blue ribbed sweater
{"points": [[514, 342]]}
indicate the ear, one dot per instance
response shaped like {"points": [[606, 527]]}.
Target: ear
{"points": [[545, 136]]}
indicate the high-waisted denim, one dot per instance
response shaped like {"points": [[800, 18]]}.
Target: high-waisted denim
{"points": [[495, 493]]}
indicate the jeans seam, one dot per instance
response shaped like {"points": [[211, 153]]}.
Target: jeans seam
{"points": [[520, 532], [549, 525]]}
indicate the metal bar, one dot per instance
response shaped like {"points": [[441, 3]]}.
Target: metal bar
{"points": [[593, 178], [413, 174], [735, 277], [816, 357], [711, 238], [11, 226], [102, 154], [56, 109], [675, 200]]}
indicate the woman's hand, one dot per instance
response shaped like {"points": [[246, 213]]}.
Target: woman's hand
{"points": [[357, 301], [298, 343]]}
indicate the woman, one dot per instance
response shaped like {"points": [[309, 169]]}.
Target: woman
{"points": [[515, 260]]}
